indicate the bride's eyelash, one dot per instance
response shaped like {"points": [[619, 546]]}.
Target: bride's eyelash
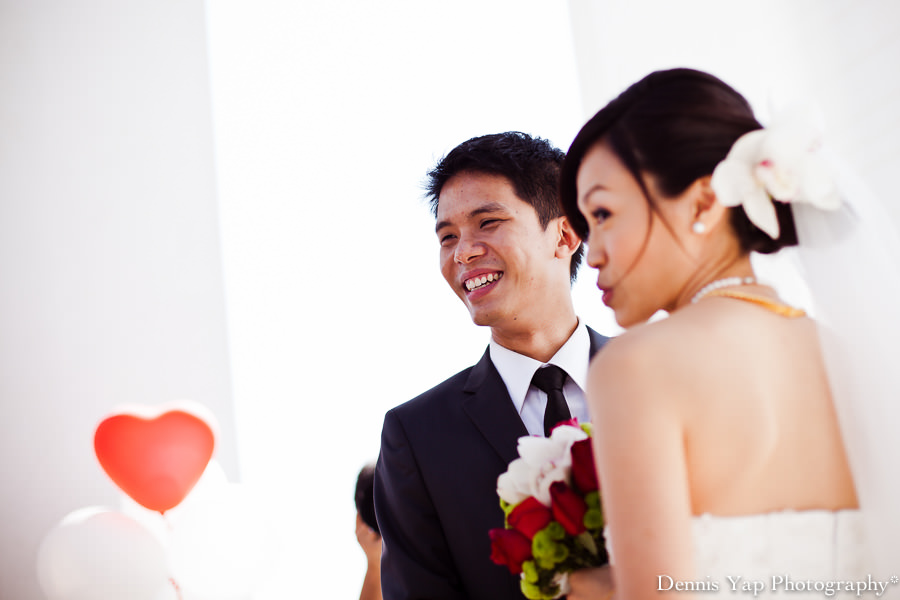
{"points": [[600, 214]]}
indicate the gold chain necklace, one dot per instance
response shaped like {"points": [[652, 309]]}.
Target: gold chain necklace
{"points": [[774, 306]]}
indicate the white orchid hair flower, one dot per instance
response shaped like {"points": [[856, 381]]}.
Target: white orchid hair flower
{"points": [[783, 162]]}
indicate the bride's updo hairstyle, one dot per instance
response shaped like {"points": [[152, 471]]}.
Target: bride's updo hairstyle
{"points": [[675, 125]]}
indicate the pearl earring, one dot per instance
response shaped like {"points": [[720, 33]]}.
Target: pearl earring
{"points": [[698, 227]]}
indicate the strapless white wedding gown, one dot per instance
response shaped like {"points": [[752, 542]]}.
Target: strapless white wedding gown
{"points": [[792, 554]]}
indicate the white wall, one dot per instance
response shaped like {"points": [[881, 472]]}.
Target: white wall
{"points": [[110, 275]]}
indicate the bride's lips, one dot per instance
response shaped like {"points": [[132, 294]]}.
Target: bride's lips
{"points": [[607, 294]]}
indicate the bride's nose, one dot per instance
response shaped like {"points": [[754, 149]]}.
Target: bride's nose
{"points": [[595, 255]]}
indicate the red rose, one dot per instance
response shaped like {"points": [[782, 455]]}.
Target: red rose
{"points": [[568, 507], [510, 548], [529, 517], [584, 473]]}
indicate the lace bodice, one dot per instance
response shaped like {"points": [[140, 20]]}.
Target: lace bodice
{"points": [[786, 552]]}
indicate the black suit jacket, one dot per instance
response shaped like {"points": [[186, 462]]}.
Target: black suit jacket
{"points": [[436, 488]]}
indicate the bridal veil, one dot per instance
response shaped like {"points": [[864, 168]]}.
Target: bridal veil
{"points": [[850, 259]]}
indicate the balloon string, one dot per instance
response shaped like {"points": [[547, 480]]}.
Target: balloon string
{"points": [[177, 588], [174, 583]]}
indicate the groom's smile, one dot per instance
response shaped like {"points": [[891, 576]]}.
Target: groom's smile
{"points": [[480, 281]]}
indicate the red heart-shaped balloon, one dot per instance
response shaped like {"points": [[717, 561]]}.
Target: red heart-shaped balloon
{"points": [[156, 461]]}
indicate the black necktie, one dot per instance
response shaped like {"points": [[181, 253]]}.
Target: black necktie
{"points": [[550, 379]]}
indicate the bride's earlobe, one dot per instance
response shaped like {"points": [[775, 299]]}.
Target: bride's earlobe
{"points": [[706, 211]]}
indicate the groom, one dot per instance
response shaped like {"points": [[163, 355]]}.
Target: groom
{"points": [[510, 256]]}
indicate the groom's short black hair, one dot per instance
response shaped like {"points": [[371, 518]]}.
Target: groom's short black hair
{"points": [[531, 164]]}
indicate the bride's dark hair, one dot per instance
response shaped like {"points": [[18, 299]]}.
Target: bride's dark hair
{"points": [[675, 125]]}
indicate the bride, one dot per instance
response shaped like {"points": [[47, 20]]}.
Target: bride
{"points": [[724, 463]]}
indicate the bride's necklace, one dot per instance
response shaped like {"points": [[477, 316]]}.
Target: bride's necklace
{"points": [[721, 283]]}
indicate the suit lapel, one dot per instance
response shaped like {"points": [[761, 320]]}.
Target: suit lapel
{"points": [[597, 341], [488, 405]]}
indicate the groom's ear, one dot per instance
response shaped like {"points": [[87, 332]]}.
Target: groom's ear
{"points": [[567, 240]]}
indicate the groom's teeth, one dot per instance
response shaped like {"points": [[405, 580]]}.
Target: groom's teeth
{"points": [[477, 282]]}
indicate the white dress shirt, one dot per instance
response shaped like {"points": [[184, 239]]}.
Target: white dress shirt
{"points": [[516, 370]]}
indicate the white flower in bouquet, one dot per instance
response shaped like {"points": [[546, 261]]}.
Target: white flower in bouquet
{"points": [[518, 482], [541, 462]]}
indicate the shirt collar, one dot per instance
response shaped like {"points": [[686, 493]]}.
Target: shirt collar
{"points": [[516, 369]]}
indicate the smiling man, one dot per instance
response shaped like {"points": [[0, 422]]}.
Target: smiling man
{"points": [[508, 253]]}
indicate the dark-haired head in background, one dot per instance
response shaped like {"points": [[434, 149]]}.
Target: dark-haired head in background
{"points": [[367, 533], [365, 502]]}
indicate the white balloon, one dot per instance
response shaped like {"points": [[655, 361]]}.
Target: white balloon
{"points": [[212, 480], [221, 543], [99, 554]]}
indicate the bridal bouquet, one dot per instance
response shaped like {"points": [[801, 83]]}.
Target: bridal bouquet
{"points": [[554, 522]]}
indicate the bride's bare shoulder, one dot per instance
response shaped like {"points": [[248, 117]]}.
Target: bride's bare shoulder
{"points": [[638, 361], [649, 342], [657, 355]]}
